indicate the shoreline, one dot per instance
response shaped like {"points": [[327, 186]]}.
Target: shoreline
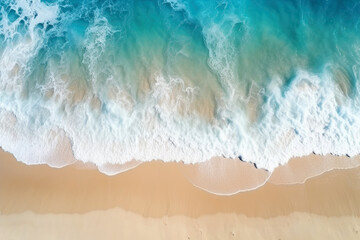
{"points": [[158, 182], [156, 200], [201, 175]]}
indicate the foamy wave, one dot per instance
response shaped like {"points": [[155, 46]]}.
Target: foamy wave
{"points": [[304, 118], [40, 145]]}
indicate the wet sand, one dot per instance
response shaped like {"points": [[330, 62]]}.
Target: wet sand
{"points": [[156, 201]]}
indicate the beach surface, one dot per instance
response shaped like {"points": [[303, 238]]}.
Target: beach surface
{"points": [[156, 201]]}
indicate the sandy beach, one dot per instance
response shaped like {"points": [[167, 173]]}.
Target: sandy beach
{"points": [[156, 201]]}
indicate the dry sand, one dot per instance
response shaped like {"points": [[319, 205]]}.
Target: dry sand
{"points": [[155, 201]]}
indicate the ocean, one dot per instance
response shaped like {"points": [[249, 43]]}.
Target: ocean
{"points": [[114, 81]]}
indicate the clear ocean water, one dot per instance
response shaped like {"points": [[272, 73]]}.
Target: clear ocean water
{"points": [[179, 80]]}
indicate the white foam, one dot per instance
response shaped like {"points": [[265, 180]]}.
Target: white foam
{"points": [[34, 146], [31, 13], [15, 58], [156, 130], [95, 43]]}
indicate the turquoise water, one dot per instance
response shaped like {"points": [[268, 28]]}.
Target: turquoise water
{"points": [[179, 80]]}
